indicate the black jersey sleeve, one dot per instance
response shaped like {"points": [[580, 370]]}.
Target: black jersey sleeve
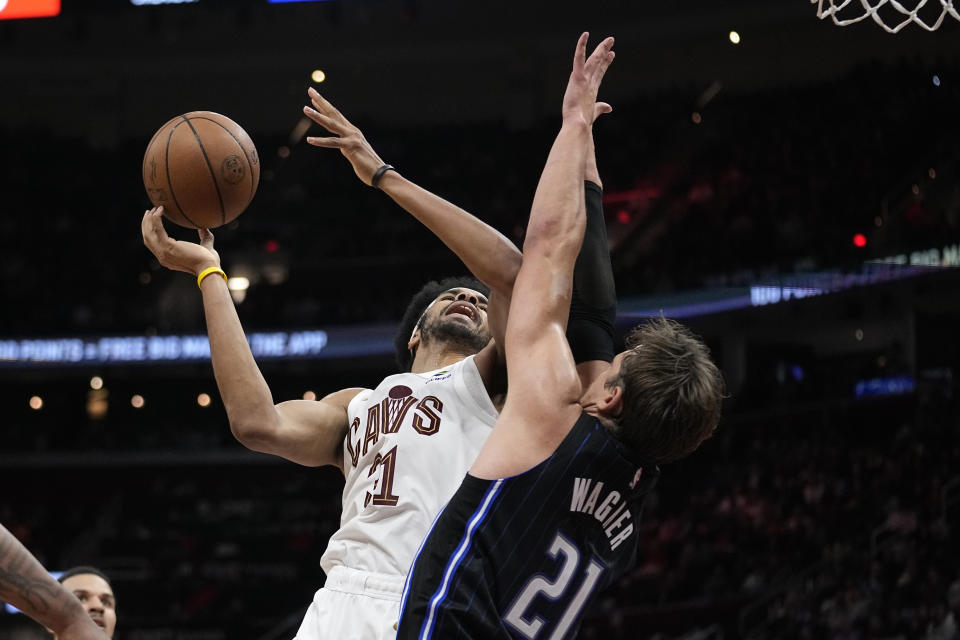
{"points": [[593, 307]]}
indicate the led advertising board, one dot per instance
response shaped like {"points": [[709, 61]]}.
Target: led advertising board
{"points": [[13, 9]]}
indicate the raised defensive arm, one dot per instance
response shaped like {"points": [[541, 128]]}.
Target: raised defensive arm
{"points": [[557, 218], [542, 401], [308, 433], [25, 584]]}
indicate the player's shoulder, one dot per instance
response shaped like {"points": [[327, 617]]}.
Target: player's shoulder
{"points": [[343, 397], [523, 438], [464, 367]]}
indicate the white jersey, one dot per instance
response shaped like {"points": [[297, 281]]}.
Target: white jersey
{"points": [[410, 443]]}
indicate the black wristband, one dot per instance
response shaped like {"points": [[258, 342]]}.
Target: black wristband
{"points": [[379, 174]]}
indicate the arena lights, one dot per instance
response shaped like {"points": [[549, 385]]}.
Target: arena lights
{"points": [[764, 295], [98, 404], [948, 256], [150, 3], [936, 81], [204, 400], [734, 37], [14, 9], [36, 403], [894, 385], [318, 76], [96, 382], [238, 283], [137, 401]]}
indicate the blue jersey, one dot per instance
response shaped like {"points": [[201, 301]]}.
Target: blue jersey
{"points": [[522, 557]]}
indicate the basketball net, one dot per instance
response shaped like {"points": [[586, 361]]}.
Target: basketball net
{"points": [[895, 16]]}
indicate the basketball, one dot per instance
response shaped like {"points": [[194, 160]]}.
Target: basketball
{"points": [[203, 168]]}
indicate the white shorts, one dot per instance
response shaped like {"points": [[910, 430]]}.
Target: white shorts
{"points": [[354, 605]]}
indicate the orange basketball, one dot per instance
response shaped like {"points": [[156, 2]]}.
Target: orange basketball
{"points": [[203, 168]]}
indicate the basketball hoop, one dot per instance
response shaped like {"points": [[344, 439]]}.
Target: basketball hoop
{"points": [[889, 14]]}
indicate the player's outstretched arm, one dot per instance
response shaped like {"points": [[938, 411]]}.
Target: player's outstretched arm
{"points": [[542, 401], [308, 433], [487, 253], [26, 585], [557, 216]]}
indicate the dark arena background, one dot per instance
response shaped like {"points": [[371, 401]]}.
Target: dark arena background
{"points": [[794, 196]]}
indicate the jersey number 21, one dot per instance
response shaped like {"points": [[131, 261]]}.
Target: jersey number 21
{"points": [[528, 623]]}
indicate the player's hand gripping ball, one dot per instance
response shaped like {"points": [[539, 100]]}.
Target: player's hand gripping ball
{"points": [[203, 168]]}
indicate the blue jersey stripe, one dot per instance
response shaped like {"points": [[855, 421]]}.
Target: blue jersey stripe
{"points": [[406, 581], [454, 562]]}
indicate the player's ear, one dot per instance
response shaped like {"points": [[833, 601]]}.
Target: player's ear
{"points": [[611, 403], [414, 342]]}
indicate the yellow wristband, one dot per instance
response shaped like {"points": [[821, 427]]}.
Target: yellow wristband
{"points": [[203, 274]]}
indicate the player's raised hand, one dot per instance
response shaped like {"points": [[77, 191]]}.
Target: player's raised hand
{"points": [[580, 99], [177, 255], [346, 137]]}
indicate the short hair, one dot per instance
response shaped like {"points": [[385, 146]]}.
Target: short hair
{"points": [[414, 313], [672, 391], [84, 570]]}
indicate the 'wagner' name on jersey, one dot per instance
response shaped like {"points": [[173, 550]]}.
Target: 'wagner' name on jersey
{"points": [[611, 511]]}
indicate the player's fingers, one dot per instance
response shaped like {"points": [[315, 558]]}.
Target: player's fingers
{"points": [[600, 69], [206, 238], [330, 143], [606, 61], [602, 56], [328, 123], [605, 46], [145, 225], [580, 52], [601, 108], [323, 105], [152, 227]]}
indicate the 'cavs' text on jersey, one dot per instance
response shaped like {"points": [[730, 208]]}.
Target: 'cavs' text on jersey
{"points": [[387, 416]]}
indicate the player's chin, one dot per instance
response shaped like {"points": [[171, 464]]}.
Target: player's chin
{"points": [[462, 320], [464, 332]]}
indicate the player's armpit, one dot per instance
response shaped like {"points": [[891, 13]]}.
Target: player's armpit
{"points": [[307, 432]]}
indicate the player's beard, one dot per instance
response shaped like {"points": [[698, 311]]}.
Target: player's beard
{"points": [[454, 334]]}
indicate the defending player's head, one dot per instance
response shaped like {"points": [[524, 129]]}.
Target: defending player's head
{"points": [[430, 318], [671, 391], [92, 588]]}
